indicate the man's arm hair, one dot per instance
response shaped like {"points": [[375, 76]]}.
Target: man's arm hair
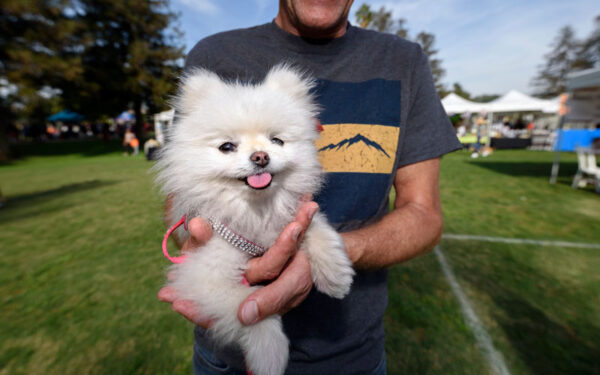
{"points": [[412, 228]]}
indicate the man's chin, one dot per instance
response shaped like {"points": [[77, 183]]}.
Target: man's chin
{"points": [[323, 29]]}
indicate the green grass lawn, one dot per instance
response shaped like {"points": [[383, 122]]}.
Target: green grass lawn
{"points": [[81, 264]]}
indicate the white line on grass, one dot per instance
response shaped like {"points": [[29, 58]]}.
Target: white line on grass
{"points": [[495, 359], [468, 237]]}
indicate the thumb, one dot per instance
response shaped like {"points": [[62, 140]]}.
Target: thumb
{"points": [[200, 232], [281, 295]]}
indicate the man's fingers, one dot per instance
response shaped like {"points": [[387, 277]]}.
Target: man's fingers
{"points": [[184, 307], [270, 265], [200, 232], [283, 294], [305, 213], [189, 311], [306, 198], [167, 294]]}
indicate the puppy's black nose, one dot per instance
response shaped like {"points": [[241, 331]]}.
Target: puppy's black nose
{"points": [[260, 158]]}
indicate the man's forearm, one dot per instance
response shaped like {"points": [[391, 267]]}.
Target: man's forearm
{"points": [[399, 236], [412, 228]]}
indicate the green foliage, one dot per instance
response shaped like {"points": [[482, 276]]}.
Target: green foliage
{"points": [[484, 98], [380, 20], [102, 55], [38, 43], [458, 90], [567, 54], [364, 16], [37, 50], [131, 56]]}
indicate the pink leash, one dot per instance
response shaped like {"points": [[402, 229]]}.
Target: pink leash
{"points": [[179, 259]]}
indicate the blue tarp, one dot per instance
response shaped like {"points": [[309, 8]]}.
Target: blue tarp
{"points": [[125, 117], [570, 139], [65, 116]]}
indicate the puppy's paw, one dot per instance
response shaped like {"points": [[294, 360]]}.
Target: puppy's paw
{"points": [[333, 274], [331, 268]]}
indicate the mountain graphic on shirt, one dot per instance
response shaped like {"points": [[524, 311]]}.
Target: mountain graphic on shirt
{"points": [[356, 139]]}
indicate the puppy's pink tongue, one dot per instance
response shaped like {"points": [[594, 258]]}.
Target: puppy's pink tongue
{"points": [[260, 180]]}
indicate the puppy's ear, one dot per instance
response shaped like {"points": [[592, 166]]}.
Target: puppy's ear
{"points": [[195, 86], [285, 78]]}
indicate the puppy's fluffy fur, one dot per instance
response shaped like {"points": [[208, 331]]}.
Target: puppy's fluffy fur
{"points": [[276, 117]]}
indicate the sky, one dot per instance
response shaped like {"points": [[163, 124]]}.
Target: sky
{"points": [[488, 46]]}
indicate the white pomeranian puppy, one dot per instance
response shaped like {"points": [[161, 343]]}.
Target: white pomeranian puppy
{"points": [[242, 156]]}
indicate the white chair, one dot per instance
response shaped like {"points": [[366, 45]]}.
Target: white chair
{"points": [[587, 170]]}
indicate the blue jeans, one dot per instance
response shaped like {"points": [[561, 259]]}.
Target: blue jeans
{"points": [[205, 363]]}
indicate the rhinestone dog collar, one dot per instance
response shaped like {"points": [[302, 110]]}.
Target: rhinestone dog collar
{"points": [[235, 239]]}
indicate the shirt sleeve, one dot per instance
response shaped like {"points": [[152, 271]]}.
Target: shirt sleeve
{"points": [[429, 133], [197, 57]]}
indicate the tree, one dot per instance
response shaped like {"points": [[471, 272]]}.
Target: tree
{"points": [[565, 56], [6, 117], [458, 90], [102, 55], [590, 47], [37, 50], [427, 40], [37, 47], [381, 21], [131, 58]]}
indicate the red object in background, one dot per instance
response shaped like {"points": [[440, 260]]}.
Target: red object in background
{"points": [[318, 125]]}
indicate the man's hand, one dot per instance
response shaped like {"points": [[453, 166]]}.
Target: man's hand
{"points": [[286, 268]]}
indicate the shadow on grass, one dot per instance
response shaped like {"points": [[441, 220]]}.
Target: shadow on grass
{"points": [[544, 345], [530, 169], [19, 206]]}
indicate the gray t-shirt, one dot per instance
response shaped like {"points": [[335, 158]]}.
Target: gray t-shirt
{"points": [[380, 111]]}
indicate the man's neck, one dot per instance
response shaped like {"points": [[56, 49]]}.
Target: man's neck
{"points": [[283, 21]]}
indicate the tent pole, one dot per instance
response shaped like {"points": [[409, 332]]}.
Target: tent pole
{"points": [[488, 130], [556, 162]]}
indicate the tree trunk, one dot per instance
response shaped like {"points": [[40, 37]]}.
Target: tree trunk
{"points": [[139, 123], [4, 145]]}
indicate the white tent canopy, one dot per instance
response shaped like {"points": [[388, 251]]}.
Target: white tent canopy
{"points": [[455, 104], [515, 101]]}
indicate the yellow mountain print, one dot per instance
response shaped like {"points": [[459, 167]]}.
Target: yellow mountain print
{"points": [[358, 148]]}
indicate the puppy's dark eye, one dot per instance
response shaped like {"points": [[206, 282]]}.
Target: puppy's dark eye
{"points": [[227, 147], [277, 141]]}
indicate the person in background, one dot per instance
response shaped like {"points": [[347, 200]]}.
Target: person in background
{"points": [[128, 138]]}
